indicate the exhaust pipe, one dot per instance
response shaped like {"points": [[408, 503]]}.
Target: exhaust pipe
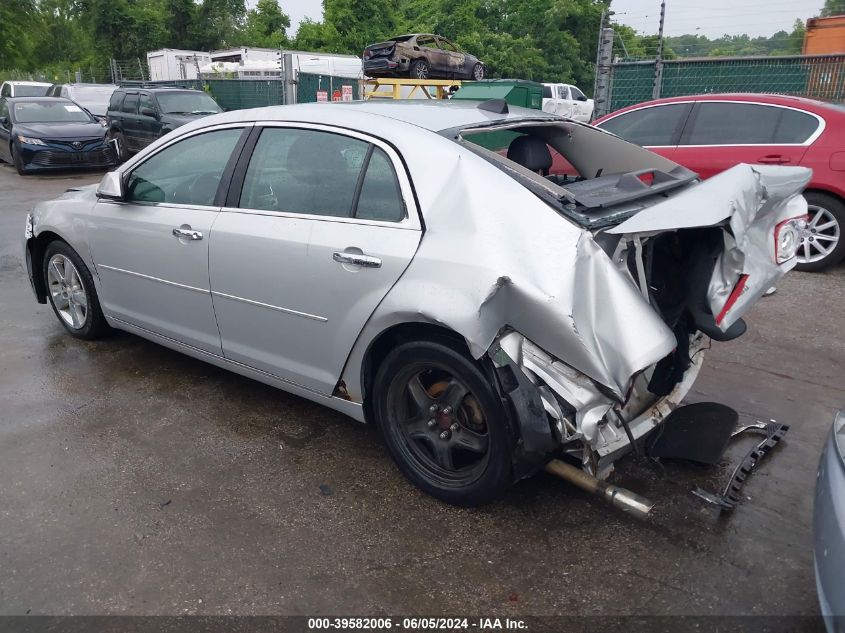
{"points": [[622, 498]]}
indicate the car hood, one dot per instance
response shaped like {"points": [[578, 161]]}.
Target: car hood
{"points": [[60, 130], [181, 119]]}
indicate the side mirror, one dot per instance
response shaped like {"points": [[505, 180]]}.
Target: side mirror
{"points": [[148, 112], [111, 187], [582, 98]]}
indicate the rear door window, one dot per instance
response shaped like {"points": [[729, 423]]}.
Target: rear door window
{"points": [[321, 173], [130, 103], [650, 127], [722, 123]]}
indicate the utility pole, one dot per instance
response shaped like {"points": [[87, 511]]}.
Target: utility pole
{"points": [[658, 63], [598, 54], [604, 68]]}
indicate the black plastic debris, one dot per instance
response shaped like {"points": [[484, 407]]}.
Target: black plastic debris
{"points": [[697, 432]]}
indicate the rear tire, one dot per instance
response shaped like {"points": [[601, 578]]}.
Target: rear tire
{"points": [[826, 229], [71, 292], [443, 423], [419, 69]]}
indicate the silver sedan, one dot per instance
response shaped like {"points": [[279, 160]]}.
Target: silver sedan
{"points": [[493, 288]]}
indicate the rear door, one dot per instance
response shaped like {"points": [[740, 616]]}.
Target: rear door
{"points": [[721, 134], [129, 121], [321, 225], [655, 127]]}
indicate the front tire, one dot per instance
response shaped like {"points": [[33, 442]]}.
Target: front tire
{"points": [[823, 242], [419, 69], [71, 291], [443, 423], [478, 72], [17, 161], [122, 151]]}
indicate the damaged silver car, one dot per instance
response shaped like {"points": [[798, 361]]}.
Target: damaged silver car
{"points": [[417, 265]]}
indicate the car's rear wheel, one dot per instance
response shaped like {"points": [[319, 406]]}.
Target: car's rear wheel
{"points": [[478, 72], [17, 161], [419, 69], [443, 423], [822, 243], [71, 291]]}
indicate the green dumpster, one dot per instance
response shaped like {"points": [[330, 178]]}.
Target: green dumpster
{"points": [[518, 92]]}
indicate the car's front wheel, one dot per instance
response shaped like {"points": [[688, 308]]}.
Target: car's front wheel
{"points": [[478, 72], [443, 423], [822, 243], [419, 69], [120, 141], [17, 161], [71, 291]]}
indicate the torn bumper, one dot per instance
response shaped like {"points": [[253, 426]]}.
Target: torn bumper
{"points": [[556, 406]]}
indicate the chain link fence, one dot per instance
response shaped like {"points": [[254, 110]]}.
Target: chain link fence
{"points": [[818, 77]]}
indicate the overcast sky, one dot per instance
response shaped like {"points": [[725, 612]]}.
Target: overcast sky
{"points": [[755, 17]]}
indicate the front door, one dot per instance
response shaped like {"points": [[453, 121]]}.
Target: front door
{"points": [[151, 250], [149, 125], [5, 131], [324, 227]]}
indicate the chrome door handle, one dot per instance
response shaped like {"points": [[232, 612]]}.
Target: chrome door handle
{"points": [[367, 261], [188, 234]]}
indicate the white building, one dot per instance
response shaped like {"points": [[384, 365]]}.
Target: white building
{"points": [[169, 64]]}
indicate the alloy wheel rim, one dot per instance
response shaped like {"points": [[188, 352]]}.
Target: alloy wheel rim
{"points": [[67, 291], [422, 71], [441, 424], [820, 236], [479, 73]]}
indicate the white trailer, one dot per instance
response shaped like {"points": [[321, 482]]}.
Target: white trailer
{"points": [[170, 64]]}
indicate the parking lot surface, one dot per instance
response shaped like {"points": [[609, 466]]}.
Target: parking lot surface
{"points": [[135, 480]]}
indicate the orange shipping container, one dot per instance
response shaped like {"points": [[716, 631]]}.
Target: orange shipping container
{"points": [[825, 36]]}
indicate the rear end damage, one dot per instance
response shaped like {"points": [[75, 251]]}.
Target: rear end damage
{"points": [[700, 260]]}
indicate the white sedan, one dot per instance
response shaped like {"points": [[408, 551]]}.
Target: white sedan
{"points": [[416, 265]]}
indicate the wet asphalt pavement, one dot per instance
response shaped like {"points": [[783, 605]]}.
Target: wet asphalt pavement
{"points": [[135, 480]]}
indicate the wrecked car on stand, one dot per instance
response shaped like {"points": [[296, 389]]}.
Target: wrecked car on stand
{"points": [[416, 265]]}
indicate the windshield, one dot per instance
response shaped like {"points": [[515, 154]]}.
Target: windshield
{"points": [[187, 103], [50, 112], [25, 90]]}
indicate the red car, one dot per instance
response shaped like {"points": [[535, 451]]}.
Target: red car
{"points": [[710, 133]]}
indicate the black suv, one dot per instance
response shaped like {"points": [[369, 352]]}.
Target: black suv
{"points": [[138, 116]]}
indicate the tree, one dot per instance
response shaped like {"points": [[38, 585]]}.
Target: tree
{"points": [[266, 25], [218, 24], [833, 7], [180, 16], [18, 19]]}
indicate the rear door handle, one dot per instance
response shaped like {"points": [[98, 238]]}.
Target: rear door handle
{"points": [[187, 233], [774, 159], [366, 261]]}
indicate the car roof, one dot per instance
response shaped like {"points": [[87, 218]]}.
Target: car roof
{"points": [[30, 99], [28, 83], [434, 115], [804, 103], [157, 89]]}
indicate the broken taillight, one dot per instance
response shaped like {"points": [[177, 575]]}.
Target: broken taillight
{"points": [[733, 298], [788, 238]]}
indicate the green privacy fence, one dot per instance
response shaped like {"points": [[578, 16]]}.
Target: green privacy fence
{"points": [[308, 86], [238, 94], [818, 77]]}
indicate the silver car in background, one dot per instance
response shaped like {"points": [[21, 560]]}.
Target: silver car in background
{"points": [[829, 528], [418, 266]]}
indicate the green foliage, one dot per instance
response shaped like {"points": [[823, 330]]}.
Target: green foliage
{"points": [[267, 25], [630, 44], [833, 7]]}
